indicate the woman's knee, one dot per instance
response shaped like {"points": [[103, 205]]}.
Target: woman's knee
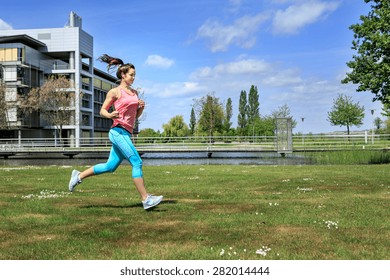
{"points": [[104, 168], [111, 169], [136, 163]]}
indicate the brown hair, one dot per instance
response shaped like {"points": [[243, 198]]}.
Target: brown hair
{"points": [[114, 62]]}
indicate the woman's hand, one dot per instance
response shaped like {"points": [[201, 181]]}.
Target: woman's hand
{"points": [[114, 115], [141, 103]]}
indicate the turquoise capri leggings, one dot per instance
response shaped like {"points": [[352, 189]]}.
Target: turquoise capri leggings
{"points": [[122, 148]]}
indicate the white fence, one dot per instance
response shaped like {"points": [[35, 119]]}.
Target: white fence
{"points": [[266, 143]]}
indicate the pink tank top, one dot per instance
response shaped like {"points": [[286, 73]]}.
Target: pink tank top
{"points": [[126, 106]]}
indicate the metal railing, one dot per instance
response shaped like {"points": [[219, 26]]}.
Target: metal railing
{"points": [[304, 142]]}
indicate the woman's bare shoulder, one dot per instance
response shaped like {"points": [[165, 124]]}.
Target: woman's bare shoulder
{"points": [[114, 92]]}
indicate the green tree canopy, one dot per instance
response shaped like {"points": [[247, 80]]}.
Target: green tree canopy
{"points": [[211, 114], [386, 109], [228, 115], [176, 127], [149, 132], [242, 113], [265, 126], [253, 105], [345, 112], [192, 121], [378, 123], [371, 65]]}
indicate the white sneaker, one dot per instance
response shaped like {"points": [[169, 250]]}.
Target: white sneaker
{"points": [[151, 201], [74, 180]]}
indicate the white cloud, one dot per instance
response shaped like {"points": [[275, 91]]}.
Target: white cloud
{"points": [[242, 67], [246, 72], [297, 16], [241, 32], [4, 25], [175, 89], [159, 61], [282, 77]]}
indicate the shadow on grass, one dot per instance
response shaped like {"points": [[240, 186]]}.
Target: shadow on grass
{"points": [[134, 205]]}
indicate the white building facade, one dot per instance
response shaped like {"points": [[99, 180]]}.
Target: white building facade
{"points": [[28, 57]]}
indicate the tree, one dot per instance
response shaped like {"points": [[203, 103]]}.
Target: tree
{"points": [[192, 121], [176, 127], [54, 101], [148, 132], [253, 105], [228, 115], [371, 65], [346, 113], [378, 123], [386, 113], [3, 108], [386, 109], [265, 126], [284, 112], [387, 126], [210, 113], [253, 114], [242, 113]]}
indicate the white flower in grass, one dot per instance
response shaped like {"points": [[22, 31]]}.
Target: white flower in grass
{"points": [[263, 251], [304, 189], [222, 252], [45, 194], [307, 179], [331, 224]]}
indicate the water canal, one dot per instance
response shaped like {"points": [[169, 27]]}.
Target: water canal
{"points": [[158, 159]]}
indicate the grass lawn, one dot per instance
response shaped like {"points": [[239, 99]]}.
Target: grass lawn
{"points": [[218, 212]]}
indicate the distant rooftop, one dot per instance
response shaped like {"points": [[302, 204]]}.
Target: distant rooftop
{"points": [[22, 38]]}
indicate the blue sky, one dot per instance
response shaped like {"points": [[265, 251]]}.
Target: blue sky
{"points": [[294, 51]]}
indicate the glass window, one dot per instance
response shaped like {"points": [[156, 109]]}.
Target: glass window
{"points": [[9, 54]]}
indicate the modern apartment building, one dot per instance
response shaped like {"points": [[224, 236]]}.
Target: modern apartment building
{"points": [[28, 57]]}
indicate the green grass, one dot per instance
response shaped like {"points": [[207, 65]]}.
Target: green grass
{"points": [[284, 212], [354, 156]]}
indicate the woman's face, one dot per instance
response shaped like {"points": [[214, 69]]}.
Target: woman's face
{"points": [[129, 77]]}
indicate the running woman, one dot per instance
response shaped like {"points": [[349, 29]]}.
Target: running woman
{"points": [[127, 108]]}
